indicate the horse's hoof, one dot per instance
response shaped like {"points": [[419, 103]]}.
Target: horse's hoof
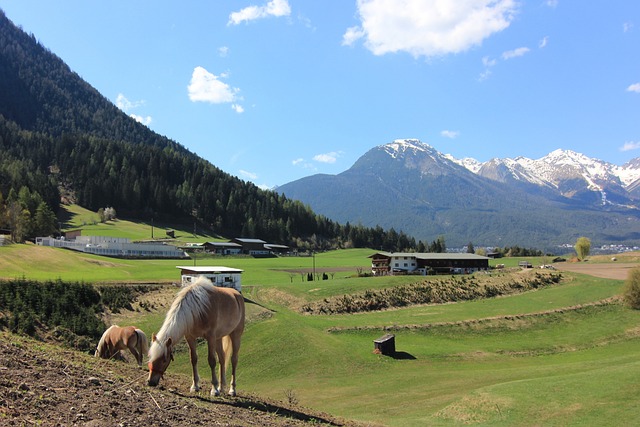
{"points": [[232, 393], [194, 389], [215, 392]]}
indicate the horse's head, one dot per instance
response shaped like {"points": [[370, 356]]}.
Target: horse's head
{"points": [[160, 355]]}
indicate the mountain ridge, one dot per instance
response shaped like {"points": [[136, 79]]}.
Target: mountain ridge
{"points": [[409, 185]]}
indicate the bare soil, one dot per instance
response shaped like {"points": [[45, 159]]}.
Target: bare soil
{"points": [[46, 385], [609, 270]]}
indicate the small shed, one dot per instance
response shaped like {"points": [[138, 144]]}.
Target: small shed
{"points": [[386, 345], [225, 277]]}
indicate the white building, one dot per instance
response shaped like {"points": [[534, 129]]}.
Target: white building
{"points": [[224, 277], [426, 263], [114, 247]]}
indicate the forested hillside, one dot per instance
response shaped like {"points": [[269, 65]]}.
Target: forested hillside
{"points": [[57, 132]]}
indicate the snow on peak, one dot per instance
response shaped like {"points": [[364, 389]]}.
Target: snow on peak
{"points": [[468, 162], [550, 170], [401, 146]]}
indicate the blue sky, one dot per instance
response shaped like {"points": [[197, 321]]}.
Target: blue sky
{"points": [[275, 90]]}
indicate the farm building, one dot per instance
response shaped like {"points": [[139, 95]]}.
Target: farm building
{"points": [[224, 277], [257, 247], [276, 249], [118, 247], [238, 246], [223, 248], [426, 263], [251, 246]]}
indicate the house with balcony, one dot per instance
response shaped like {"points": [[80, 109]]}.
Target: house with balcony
{"points": [[391, 263]]}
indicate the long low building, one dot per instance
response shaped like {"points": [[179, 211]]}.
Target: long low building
{"points": [[118, 247], [225, 277], [383, 263]]}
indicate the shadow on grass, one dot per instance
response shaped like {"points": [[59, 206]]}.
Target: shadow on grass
{"points": [[403, 355]]}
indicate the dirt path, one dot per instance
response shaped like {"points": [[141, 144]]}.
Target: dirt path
{"points": [[612, 270]]}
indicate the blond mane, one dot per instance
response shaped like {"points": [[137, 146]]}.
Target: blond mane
{"points": [[190, 304], [101, 344]]}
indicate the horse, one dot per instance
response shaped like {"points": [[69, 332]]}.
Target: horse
{"points": [[118, 338], [201, 310]]}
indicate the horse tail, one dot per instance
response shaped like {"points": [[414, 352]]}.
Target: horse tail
{"points": [[227, 349], [143, 343]]}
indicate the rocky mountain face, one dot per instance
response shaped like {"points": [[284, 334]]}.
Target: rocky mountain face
{"points": [[568, 174], [411, 186]]}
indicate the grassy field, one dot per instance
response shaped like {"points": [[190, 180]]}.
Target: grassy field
{"points": [[75, 217], [524, 359], [516, 367]]}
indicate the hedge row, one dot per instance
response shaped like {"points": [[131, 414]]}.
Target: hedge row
{"points": [[456, 288]]}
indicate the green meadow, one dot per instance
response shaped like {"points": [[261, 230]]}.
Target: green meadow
{"points": [[546, 357]]}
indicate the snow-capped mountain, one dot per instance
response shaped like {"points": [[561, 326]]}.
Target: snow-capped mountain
{"points": [[413, 155], [568, 173], [410, 186]]}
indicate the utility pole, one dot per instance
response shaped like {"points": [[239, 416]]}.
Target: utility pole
{"points": [[313, 255]]}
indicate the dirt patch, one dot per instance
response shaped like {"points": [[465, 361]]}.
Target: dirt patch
{"points": [[42, 384], [101, 263], [611, 270]]}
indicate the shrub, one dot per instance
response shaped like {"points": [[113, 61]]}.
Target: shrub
{"points": [[452, 289], [29, 306], [631, 291]]}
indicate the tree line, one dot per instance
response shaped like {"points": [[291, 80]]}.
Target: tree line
{"points": [[147, 181]]}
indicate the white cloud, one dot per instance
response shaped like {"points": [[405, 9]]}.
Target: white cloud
{"points": [[510, 54], [428, 27], [552, 3], [450, 134], [237, 108], [300, 162], [484, 75], [207, 87], [488, 63], [630, 145], [144, 120], [543, 43], [634, 88], [248, 175], [627, 27], [331, 157], [273, 8], [352, 35], [125, 105], [223, 51]]}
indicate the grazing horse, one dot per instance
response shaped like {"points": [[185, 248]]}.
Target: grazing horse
{"points": [[116, 338], [201, 310]]}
